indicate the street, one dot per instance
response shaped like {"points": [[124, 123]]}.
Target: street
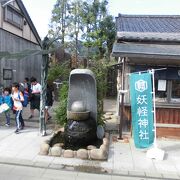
{"points": [[16, 172]]}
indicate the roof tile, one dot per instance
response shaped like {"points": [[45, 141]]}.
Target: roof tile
{"points": [[148, 23]]}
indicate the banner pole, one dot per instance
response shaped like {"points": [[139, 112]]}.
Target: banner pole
{"points": [[154, 108], [154, 104], [155, 152]]}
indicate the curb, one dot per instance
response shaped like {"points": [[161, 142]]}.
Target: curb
{"points": [[44, 165]]}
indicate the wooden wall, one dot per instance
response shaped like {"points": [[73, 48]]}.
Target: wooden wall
{"points": [[168, 132], [26, 67], [163, 115], [167, 117]]}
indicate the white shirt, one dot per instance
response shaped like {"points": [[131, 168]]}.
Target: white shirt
{"points": [[17, 104], [36, 88]]}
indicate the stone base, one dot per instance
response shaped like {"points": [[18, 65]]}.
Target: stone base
{"points": [[91, 152]]}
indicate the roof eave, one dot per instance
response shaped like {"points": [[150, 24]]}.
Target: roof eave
{"points": [[146, 51], [148, 36]]}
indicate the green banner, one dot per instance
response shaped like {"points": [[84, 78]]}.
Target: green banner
{"points": [[142, 109]]}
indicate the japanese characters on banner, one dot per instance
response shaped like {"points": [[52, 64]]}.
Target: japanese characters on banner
{"points": [[142, 109]]}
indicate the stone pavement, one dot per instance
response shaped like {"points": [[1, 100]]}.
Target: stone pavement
{"points": [[17, 172], [124, 159]]}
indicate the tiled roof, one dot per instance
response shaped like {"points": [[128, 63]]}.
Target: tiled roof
{"points": [[144, 28], [148, 36], [148, 23]]}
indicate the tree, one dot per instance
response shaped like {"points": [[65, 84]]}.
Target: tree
{"points": [[59, 21], [100, 28], [108, 33], [75, 18], [86, 21]]}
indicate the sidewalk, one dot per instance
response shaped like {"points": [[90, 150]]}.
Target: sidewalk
{"points": [[34, 122], [124, 159]]}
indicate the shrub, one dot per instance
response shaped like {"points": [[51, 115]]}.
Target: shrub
{"points": [[61, 111], [100, 70], [58, 71]]}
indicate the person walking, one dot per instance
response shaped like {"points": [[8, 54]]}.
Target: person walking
{"points": [[49, 101], [17, 98], [7, 99], [35, 96], [27, 85], [27, 91]]}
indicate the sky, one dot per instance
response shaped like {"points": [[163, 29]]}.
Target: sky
{"points": [[40, 10]]}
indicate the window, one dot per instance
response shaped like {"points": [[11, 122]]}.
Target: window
{"points": [[161, 90], [7, 74], [175, 95], [13, 16]]}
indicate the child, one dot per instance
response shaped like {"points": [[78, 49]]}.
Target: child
{"points": [[8, 101], [18, 98], [1, 99]]}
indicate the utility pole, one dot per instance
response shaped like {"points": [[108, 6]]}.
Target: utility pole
{"points": [[46, 43], [44, 73]]}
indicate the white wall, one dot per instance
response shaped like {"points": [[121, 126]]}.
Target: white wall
{"points": [[25, 33]]}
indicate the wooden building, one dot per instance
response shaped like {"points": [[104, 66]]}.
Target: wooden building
{"points": [[17, 34], [151, 41]]}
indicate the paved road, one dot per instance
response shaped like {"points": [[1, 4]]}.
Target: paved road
{"points": [[16, 172]]}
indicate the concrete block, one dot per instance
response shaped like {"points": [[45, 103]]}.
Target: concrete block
{"points": [[68, 153], [44, 149], [106, 141], [98, 154], [104, 148], [56, 151], [82, 154]]}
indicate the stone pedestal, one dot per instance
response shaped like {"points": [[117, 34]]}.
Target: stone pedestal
{"points": [[80, 133]]}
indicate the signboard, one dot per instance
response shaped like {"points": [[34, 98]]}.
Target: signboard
{"points": [[142, 109], [161, 85]]}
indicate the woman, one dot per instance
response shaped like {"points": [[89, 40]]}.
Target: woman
{"points": [[17, 98]]}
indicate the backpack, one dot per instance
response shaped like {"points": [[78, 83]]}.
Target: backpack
{"points": [[26, 98], [1, 100], [12, 102]]}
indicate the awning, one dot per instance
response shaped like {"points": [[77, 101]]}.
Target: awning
{"points": [[146, 51]]}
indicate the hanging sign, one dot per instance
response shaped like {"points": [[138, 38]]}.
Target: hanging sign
{"points": [[141, 109], [161, 85]]}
